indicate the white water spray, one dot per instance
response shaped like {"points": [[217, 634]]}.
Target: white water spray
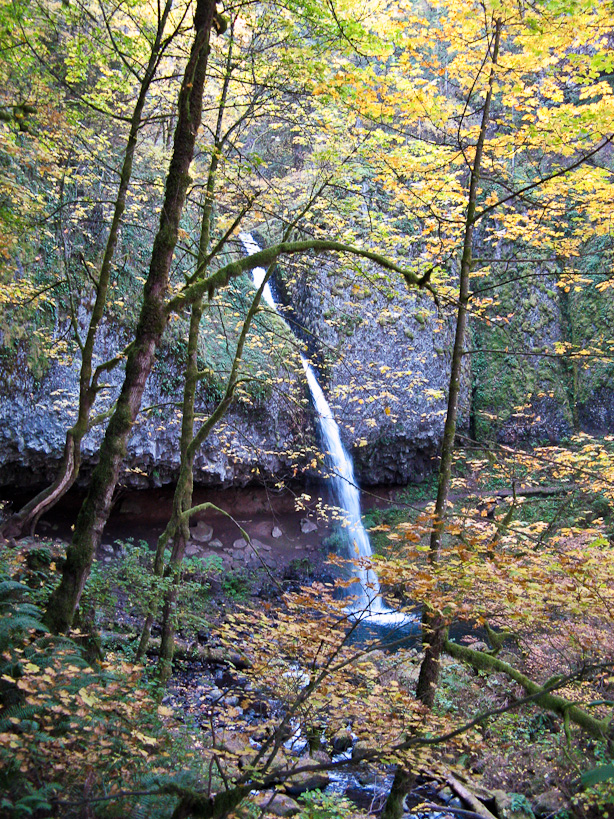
{"points": [[368, 601]]}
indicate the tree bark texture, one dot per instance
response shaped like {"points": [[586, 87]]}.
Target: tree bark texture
{"points": [[95, 510], [401, 785], [569, 711]]}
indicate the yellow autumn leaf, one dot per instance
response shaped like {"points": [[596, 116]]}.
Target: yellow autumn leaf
{"points": [[88, 699], [146, 740]]}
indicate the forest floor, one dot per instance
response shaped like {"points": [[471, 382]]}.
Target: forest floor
{"points": [[526, 758]]}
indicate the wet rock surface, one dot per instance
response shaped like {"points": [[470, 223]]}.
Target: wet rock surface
{"points": [[383, 355], [200, 692], [278, 804], [549, 803]]}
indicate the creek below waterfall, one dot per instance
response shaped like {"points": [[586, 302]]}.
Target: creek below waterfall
{"points": [[196, 691], [196, 685]]}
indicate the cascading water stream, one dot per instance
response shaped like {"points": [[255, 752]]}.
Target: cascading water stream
{"points": [[368, 601]]}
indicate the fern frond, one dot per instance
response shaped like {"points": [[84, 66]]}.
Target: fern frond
{"points": [[19, 711], [7, 586], [17, 621], [151, 807]]}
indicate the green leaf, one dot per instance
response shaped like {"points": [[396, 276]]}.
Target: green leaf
{"points": [[600, 774]]}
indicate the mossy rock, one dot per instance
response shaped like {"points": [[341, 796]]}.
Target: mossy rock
{"points": [[513, 805]]}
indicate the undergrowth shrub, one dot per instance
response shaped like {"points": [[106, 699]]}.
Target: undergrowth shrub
{"points": [[319, 805], [123, 590], [73, 735]]}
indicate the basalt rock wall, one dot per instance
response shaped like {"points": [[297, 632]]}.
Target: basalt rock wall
{"points": [[383, 353], [263, 437], [383, 356]]}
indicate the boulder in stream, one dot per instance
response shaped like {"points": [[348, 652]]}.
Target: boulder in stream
{"points": [[259, 546], [309, 780], [342, 741], [193, 549]]}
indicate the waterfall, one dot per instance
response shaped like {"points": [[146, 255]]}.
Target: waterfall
{"points": [[345, 491]]}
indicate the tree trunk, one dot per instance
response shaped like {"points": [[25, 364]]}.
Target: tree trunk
{"points": [[433, 626], [182, 499], [169, 614], [401, 785], [95, 510], [27, 517], [568, 710]]}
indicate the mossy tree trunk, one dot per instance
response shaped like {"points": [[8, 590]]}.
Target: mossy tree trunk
{"points": [[182, 500], [402, 783], [179, 524], [545, 698], [95, 510], [433, 626], [178, 527], [177, 531]]}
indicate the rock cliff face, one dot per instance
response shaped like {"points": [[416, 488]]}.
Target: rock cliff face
{"points": [[258, 439], [383, 357], [384, 354]]}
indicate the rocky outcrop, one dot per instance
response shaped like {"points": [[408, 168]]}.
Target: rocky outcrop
{"points": [[384, 356], [382, 352], [262, 437]]}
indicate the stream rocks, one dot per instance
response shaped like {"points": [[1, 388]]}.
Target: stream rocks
{"points": [[202, 532], [226, 557], [549, 803], [245, 717], [512, 805], [279, 804], [309, 780]]}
